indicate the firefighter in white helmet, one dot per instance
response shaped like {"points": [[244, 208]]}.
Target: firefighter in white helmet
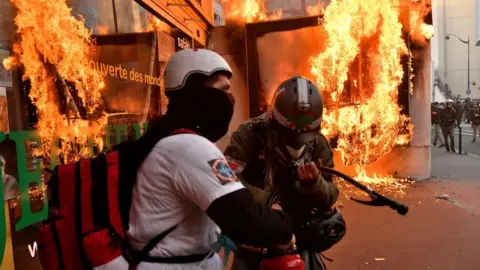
{"points": [[185, 186]]}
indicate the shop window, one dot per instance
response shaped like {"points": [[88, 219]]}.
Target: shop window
{"points": [[218, 19]]}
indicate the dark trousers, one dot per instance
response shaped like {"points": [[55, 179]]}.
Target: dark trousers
{"points": [[246, 260], [448, 133]]}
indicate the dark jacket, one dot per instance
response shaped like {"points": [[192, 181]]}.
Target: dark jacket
{"points": [[253, 145], [448, 117], [476, 115], [436, 119], [459, 110]]}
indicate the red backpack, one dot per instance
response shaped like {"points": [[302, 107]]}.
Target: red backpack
{"points": [[89, 206]]}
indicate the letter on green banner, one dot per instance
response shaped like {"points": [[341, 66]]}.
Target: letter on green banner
{"points": [[118, 131], [26, 178]]}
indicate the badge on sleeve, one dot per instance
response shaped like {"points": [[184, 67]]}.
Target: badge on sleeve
{"points": [[236, 165], [223, 172]]}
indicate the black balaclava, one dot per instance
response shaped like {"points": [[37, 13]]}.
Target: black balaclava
{"points": [[207, 111]]}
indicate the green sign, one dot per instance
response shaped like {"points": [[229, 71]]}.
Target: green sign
{"points": [[27, 178]]}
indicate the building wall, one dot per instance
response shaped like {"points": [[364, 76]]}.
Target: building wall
{"points": [[193, 17], [218, 16], [477, 22], [292, 8], [457, 17]]}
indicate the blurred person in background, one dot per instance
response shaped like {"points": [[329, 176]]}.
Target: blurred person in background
{"points": [[468, 111], [459, 109], [448, 118], [476, 121], [436, 123]]}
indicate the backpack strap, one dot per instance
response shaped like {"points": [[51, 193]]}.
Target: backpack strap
{"points": [[143, 256], [183, 131]]}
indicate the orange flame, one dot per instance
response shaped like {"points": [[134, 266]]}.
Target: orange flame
{"points": [[51, 36], [247, 11], [318, 9], [156, 24], [364, 37], [369, 130], [102, 29], [10, 62], [419, 31]]}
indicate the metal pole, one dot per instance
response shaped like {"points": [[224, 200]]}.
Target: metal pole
{"points": [[468, 65], [460, 140], [115, 20], [432, 79]]}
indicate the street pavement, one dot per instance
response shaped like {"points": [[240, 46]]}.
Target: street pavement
{"points": [[440, 232], [467, 136]]}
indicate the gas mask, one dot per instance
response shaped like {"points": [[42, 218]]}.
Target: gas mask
{"points": [[295, 153]]}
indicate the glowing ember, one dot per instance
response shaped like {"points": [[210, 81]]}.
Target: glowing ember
{"points": [[55, 49], [389, 186]]}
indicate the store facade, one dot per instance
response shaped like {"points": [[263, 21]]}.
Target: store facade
{"points": [[133, 39]]}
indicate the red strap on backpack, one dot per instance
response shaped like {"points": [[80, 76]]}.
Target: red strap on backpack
{"points": [[183, 131]]}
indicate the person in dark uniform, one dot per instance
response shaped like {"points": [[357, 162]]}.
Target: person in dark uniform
{"points": [[459, 112], [468, 110], [448, 118], [476, 122], [436, 122], [277, 153]]}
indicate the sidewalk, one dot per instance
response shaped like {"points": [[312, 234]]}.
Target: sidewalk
{"points": [[437, 234], [449, 165]]}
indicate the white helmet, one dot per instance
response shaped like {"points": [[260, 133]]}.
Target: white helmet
{"points": [[192, 61], [449, 101]]}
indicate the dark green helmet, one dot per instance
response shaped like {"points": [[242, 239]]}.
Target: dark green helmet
{"points": [[298, 108]]}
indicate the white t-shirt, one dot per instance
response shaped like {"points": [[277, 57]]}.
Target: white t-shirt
{"points": [[176, 184]]}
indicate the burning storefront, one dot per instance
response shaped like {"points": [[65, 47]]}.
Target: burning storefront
{"points": [[78, 77], [82, 75], [371, 61]]}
